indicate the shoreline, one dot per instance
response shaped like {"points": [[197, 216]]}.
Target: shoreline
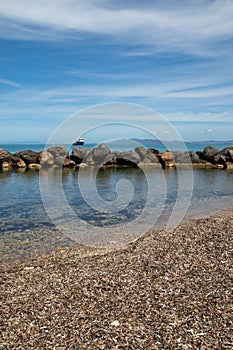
{"points": [[50, 242], [168, 290]]}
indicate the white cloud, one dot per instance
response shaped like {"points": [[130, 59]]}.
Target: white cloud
{"points": [[9, 83], [188, 26]]}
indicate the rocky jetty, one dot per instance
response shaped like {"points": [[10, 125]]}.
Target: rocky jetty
{"points": [[57, 156]]}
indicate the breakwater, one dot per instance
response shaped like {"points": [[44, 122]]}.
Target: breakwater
{"points": [[101, 156]]}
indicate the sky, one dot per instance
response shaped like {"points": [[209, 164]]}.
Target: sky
{"points": [[60, 57]]}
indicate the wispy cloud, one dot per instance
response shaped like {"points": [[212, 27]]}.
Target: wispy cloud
{"points": [[9, 83], [188, 26], [62, 101], [112, 76]]}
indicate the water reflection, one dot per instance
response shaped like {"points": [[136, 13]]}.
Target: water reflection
{"points": [[22, 209]]}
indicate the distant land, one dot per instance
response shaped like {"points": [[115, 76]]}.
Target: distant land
{"points": [[148, 142]]}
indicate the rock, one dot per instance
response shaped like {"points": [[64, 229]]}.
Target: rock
{"points": [[78, 154], [129, 158], [6, 165], [28, 156], [231, 155], [154, 151], [203, 164], [59, 161], [20, 163], [149, 165], [182, 157], [12, 160], [229, 165], [81, 165], [220, 166], [68, 163], [61, 156], [111, 160], [226, 154], [97, 155], [58, 151], [46, 158], [166, 156], [34, 166], [166, 159], [194, 157], [210, 154], [142, 151], [228, 151], [210, 151], [220, 159], [146, 156]]}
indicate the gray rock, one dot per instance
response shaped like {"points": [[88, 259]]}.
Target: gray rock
{"points": [[182, 157], [60, 155], [210, 154], [228, 153], [46, 158], [78, 154], [28, 156], [58, 151], [98, 155], [129, 158], [146, 156]]}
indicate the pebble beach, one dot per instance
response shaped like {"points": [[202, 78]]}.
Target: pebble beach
{"points": [[168, 290]]}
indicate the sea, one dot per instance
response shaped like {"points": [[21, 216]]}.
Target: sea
{"points": [[125, 144], [43, 212]]}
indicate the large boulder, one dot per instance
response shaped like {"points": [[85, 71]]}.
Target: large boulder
{"points": [[146, 156], [227, 153], [229, 165], [128, 158], [210, 154], [166, 159], [78, 154], [60, 155], [28, 156], [58, 151], [8, 160], [98, 155], [46, 159], [182, 157]]}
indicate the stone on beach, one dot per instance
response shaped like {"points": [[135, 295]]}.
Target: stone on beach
{"points": [[168, 290]]}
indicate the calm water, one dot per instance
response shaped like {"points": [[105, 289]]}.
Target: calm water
{"points": [[24, 219], [121, 145], [25, 226]]}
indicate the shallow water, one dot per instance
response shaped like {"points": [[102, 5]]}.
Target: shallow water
{"points": [[122, 194]]}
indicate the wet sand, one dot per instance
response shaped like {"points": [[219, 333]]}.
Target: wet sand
{"points": [[169, 290]]}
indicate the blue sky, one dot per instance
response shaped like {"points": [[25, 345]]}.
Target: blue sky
{"points": [[58, 57]]}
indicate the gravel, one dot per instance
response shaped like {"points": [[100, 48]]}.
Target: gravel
{"points": [[169, 290]]}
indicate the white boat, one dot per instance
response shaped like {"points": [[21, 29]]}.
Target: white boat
{"points": [[79, 142]]}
